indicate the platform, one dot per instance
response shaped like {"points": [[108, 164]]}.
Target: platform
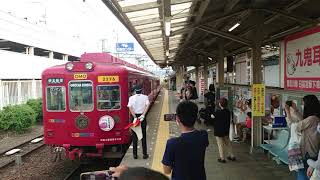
{"points": [[248, 166]]}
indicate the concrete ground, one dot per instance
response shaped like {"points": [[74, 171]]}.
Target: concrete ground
{"points": [[256, 166]]}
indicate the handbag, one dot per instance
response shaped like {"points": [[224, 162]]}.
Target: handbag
{"points": [[295, 158]]}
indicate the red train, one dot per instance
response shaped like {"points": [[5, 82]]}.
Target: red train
{"points": [[85, 104]]}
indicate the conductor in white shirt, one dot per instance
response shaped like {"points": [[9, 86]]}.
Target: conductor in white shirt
{"points": [[138, 105]]}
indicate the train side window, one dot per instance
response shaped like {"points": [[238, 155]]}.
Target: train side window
{"points": [[80, 96], [108, 97], [56, 98]]}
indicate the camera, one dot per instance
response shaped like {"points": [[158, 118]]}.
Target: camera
{"points": [[289, 103]]}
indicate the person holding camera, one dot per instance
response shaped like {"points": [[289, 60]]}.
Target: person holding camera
{"points": [[138, 106], [306, 125], [184, 155]]}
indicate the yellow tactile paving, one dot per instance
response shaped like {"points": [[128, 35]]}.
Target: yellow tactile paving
{"points": [[162, 136]]}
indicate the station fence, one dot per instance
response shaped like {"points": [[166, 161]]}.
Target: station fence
{"points": [[13, 92]]}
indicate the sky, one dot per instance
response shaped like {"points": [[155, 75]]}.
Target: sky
{"points": [[89, 20]]}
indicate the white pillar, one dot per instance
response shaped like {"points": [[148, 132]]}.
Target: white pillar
{"points": [[1, 95], [51, 55], [31, 51], [27, 50], [19, 92], [34, 89], [65, 57]]}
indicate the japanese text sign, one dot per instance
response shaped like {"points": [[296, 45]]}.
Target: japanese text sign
{"points": [[258, 105], [302, 61]]}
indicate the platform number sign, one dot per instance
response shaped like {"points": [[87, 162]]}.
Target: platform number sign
{"points": [[124, 47]]}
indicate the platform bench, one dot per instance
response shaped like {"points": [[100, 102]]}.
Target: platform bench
{"points": [[279, 146]]}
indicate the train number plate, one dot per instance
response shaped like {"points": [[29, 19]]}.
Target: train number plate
{"points": [[108, 79], [80, 76]]}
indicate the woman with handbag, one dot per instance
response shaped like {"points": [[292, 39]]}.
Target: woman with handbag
{"points": [[306, 126]]}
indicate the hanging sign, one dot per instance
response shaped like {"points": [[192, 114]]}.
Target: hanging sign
{"points": [[258, 103], [302, 61]]}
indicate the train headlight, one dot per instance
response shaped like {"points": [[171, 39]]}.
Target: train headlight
{"points": [[106, 123], [89, 65], [69, 66]]}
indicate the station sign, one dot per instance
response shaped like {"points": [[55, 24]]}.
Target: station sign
{"points": [[124, 47], [302, 61], [258, 103]]}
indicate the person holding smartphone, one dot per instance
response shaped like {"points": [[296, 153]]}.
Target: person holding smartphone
{"points": [[184, 155], [306, 126]]}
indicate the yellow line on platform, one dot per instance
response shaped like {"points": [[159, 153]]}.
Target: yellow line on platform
{"points": [[162, 136]]}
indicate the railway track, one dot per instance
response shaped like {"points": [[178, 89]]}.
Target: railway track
{"points": [[26, 148], [74, 174]]}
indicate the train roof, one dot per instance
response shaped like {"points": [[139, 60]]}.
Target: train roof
{"points": [[108, 59], [99, 67]]}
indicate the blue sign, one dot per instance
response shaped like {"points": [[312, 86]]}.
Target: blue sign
{"points": [[124, 47]]}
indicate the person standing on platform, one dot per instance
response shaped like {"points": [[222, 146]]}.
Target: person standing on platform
{"points": [[194, 93], [306, 127], [138, 105], [184, 155], [221, 126]]}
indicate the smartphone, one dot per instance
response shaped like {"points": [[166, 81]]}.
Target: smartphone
{"points": [[170, 117], [97, 175], [289, 103]]}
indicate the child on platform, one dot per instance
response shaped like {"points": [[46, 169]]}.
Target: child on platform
{"points": [[248, 127]]}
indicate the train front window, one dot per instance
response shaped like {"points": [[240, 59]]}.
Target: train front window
{"points": [[56, 98], [108, 97], [80, 96]]}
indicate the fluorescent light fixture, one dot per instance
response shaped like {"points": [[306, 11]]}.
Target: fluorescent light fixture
{"points": [[167, 62], [167, 25], [167, 53], [234, 26], [210, 58]]}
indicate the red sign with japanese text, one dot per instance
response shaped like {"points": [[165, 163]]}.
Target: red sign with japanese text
{"points": [[302, 61]]}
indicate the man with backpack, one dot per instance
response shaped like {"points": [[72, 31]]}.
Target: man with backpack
{"points": [[184, 155]]}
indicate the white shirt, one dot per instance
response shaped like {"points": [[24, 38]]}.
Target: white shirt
{"points": [[138, 102]]}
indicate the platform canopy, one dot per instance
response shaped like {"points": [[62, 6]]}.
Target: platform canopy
{"points": [[189, 31]]}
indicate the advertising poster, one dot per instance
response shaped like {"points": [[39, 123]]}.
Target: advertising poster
{"points": [[302, 61], [258, 103]]}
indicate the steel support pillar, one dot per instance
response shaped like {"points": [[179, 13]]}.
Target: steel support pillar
{"points": [[256, 68], [197, 79], [220, 68], [179, 78], [205, 76]]}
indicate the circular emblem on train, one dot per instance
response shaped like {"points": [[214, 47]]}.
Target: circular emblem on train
{"points": [[82, 122], [106, 123]]}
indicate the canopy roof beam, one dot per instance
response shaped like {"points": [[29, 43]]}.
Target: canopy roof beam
{"points": [[225, 35]]}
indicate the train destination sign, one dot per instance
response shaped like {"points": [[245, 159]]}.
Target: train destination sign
{"points": [[55, 80], [108, 79], [80, 76], [302, 61]]}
